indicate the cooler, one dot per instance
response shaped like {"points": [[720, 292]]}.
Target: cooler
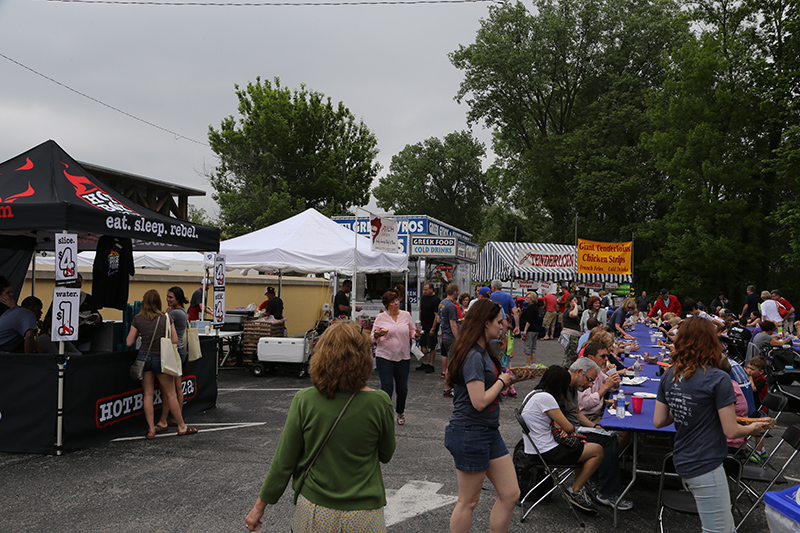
{"points": [[281, 350], [783, 513]]}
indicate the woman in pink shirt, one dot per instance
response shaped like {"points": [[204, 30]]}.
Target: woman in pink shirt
{"points": [[393, 331]]}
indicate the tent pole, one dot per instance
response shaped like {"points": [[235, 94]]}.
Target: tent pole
{"points": [[355, 270], [62, 366], [33, 274], [280, 282]]}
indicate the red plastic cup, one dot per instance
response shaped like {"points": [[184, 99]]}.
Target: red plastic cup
{"points": [[637, 401]]}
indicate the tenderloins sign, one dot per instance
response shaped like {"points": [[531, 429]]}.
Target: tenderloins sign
{"points": [[116, 408], [526, 258]]}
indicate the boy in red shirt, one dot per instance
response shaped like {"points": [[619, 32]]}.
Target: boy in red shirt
{"points": [[755, 370]]}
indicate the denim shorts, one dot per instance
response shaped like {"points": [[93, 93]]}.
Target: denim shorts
{"points": [[472, 447], [151, 363]]}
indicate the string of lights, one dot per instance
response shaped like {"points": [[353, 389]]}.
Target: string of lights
{"points": [[93, 99], [273, 4]]}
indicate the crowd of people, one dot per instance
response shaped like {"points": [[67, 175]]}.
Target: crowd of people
{"points": [[474, 337], [339, 431]]}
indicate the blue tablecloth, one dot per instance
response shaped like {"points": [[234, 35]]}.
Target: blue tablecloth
{"points": [[641, 422]]}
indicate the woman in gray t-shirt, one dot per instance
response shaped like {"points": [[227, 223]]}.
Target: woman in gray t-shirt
{"points": [[698, 397], [472, 436]]}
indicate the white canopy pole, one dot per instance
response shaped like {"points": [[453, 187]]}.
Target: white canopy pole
{"points": [[355, 270]]}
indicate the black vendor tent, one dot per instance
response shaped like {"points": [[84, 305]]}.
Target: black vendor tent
{"points": [[44, 191]]}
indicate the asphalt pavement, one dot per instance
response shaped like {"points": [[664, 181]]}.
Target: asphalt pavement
{"points": [[208, 482]]}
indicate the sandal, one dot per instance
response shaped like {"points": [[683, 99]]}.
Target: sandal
{"points": [[161, 429], [189, 431], [401, 419], [150, 435]]}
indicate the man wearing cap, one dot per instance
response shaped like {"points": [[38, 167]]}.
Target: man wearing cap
{"points": [[666, 303], [506, 301], [483, 293], [272, 305]]}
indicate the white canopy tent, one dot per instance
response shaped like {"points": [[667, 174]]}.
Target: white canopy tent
{"points": [[308, 243]]}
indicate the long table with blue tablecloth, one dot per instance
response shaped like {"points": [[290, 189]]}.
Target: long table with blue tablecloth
{"points": [[638, 424]]}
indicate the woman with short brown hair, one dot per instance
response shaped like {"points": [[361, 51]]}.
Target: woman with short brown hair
{"points": [[343, 489]]}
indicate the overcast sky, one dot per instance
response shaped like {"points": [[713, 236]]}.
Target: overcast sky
{"points": [[176, 67]]}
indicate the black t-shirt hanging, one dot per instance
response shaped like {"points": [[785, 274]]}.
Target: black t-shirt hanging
{"points": [[113, 263]]}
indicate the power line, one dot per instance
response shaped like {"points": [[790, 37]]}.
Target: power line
{"points": [[273, 4], [175, 134]]}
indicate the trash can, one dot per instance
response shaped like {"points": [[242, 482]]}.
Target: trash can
{"points": [[782, 510]]}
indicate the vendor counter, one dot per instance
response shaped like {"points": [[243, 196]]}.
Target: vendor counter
{"points": [[100, 401]]}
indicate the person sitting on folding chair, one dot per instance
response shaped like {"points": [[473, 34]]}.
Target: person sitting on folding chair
{"points": [[539, 412], [699, 398]]}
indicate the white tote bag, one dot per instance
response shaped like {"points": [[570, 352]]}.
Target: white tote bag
{"points": [[170, 360]]}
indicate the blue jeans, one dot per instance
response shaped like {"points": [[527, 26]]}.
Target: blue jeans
{"points": [[394, 373], [713, 500]]}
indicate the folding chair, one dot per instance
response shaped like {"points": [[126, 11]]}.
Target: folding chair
{"points": [[735, 352], [682, 501], [774, 402], [792, 437], [752, 351], [557, 472]]}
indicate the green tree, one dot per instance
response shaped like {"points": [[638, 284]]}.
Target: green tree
{"points": [[722, 135], [198, 215], [286, 152], [564, 90], [442, 178]]}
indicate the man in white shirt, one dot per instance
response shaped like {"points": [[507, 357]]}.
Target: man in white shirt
{"points": [[769, 309]]}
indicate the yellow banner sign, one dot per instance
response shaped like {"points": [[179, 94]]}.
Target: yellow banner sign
{"points": [[604, 257]]}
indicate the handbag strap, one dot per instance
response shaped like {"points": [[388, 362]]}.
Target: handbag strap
{"points": [[166, 326], [328, 436], [153, 336]]}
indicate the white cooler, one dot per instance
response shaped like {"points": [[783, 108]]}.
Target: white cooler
{"points": [[281, 350]]}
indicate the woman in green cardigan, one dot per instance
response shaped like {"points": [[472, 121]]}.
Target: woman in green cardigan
{"points": [[343, 491]]}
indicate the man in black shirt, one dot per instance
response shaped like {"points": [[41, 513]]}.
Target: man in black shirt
{"points": [[751, 302], [341, 302], [273, 305], [428, 307]]}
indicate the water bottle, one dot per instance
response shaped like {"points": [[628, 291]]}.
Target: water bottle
{"points": [[637, 368], [620, 404]]}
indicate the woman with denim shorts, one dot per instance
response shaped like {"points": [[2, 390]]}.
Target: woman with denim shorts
{"points": [[150, 325], [472, 436], [698, 396]]}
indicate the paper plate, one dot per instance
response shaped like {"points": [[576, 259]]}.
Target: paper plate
{"points": [[644, 394]]}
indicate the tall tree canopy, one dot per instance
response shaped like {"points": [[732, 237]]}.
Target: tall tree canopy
{"points": [[441, 178], [672, 120], [288, 151]]}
